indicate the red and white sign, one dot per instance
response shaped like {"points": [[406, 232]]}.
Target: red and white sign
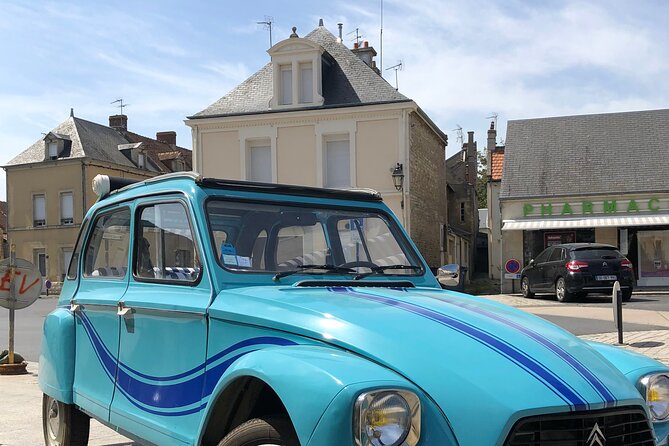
{"points": [[20, 285], [512, 266]]}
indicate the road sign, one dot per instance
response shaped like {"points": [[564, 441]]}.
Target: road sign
{"points": [[512, 266], [20, 285], [512, 276]]}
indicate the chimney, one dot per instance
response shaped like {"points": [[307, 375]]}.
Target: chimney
{"points": [[492, 142], [366, 53], [167, 137], [119, 122], [472, 162], [341, 30]]}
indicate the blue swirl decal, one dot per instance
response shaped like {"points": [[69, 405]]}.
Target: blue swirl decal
{"points": [[531, 365], [187, 396]]}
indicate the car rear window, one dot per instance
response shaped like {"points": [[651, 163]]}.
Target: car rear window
{"points": [[597, 253]]}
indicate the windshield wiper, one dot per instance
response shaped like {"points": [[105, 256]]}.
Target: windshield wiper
{"points": [[300, 268], [381, 269]]}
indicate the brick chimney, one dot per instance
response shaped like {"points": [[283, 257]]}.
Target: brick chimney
{"points": [[118, 122], [366, 53], [492, 141], [167, 137], [472, 162]]}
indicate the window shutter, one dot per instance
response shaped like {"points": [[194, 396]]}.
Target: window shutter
{"points": [[260, 164], [39, 208], [66, 208], [306, 84], [337, 164], [53, 150], [286, 93]]}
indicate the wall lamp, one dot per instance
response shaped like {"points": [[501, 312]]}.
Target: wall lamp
{"points": [[398, 176]]}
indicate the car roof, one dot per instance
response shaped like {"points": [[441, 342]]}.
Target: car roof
{"points": [[577, 246]]}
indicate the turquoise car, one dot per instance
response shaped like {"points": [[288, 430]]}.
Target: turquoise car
{"points": [[201, 311]]}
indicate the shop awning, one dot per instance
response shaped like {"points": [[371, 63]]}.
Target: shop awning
{"points": [[593, 222]]}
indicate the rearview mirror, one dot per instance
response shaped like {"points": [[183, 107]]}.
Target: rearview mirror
{"points": [[449, 275]]}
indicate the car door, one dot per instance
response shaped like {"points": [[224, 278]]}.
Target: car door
{"points": [[536, 274], [163, 329], [552, 266], [103, 282]]}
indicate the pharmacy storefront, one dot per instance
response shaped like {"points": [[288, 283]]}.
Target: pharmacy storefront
{"points": [[638, 224]]}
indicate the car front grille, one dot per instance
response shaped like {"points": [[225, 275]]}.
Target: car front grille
{"points": [[607, 427]]}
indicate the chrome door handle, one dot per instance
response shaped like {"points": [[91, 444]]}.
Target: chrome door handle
{"points": [[74, 307], [122, 310]]}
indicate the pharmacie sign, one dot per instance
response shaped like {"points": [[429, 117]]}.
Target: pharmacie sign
{"points": [[650, 205]]}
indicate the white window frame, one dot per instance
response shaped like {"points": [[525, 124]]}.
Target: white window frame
{"points": [[252, 143], [60, 205], [249, 135], [335, 129], [37, 194], [295, 52]]}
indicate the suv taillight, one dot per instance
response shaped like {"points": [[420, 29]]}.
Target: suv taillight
{"points": [[575, 265], [626, 264]]}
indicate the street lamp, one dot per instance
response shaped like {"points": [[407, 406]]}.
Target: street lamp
{"points": [[398, 176]]}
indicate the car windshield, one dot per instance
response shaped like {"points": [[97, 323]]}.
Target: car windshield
{"points": [[285, 239], [597, 253]]}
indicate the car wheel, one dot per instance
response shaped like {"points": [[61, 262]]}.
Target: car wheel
{"points": [[561, 291], [627, 295], [525, 288], [257, 432], [63, 424]]}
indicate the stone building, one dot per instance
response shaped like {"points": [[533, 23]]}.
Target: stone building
{"points": [[320, 114], [49, 183], [495, 163]]}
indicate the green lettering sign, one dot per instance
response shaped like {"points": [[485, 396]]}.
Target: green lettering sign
{"points": [[587, 207], [527, 209], [632, 206], [566, 209], [653, 205], [546, 209], [610, 207]]}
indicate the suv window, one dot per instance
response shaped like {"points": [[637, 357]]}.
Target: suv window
{"points": [[164, 244], [107, 249], [597, 253], [556, 255]]}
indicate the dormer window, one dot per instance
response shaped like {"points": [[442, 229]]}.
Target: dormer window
{"points": [[297, 65], [141, 160], [56, 146]]}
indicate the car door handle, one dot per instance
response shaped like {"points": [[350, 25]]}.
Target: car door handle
{"points": [[74, 307], [122, 310]]}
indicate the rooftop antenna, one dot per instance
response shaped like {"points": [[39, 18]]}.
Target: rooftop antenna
{"points": [[358, 36], [267, 24], [493, 116], [381, 40], [121, 105], [460, 135], [399, 66]]}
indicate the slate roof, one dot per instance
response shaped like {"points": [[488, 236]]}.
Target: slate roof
{"points": [[347, 81], [497, 163], [587, 154], [99, 142]]}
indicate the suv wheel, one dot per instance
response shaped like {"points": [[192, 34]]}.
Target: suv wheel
{"points": [[627, 295], [561, 291], [257, 432], [525, 288], [63, 424]]}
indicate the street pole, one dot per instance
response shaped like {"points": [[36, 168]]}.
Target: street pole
{"points": [[618, 310], [12, 297]]}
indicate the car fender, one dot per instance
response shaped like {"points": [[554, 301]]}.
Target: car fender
{"points": [[56, 361], [305, 377]]}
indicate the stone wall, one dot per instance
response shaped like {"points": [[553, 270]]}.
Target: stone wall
{"points": [[427, 203]]}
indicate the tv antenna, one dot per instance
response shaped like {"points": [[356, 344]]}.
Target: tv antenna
{"points": [[399, 66], [121, 104], [267, 24], [493, 116], [358, 36], [460, 138]]}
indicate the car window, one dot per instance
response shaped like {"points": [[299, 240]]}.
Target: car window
{"points": [[164, 244], [73, 267], [597, 253], [543, 256], [107, 249], [556, 255], [370, 240], [303, 245]]}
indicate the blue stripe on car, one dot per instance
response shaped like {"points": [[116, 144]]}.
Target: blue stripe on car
{"points": [[167, 397], [534, 367]]}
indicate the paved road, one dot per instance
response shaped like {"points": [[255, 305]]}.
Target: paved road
{"points": [[28, 328]]}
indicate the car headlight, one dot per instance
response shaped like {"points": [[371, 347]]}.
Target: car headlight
{"points": [[388, 417], [656, 389]]}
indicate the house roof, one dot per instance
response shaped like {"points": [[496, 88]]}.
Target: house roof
{"points": [[497, 164], [347, 81], [588, 154], [98, 142]]}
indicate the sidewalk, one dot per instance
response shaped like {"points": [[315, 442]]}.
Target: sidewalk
{"points": [[650, 343]]}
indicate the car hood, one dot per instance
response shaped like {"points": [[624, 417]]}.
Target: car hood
{"points": [[478, 360]]}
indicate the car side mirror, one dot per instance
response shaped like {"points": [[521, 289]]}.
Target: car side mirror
{"points": [[531, 262], [449, 275]]}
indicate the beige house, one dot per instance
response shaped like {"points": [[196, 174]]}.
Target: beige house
{"points": [[319, 114], [49, 183]]}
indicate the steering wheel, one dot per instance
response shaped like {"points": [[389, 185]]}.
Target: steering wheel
{"points": [[359, 264]]}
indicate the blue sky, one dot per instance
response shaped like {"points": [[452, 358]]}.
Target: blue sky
{"points": [[462, 59]]}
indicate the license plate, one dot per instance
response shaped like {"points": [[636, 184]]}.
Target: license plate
{"points": [[606, 277]]}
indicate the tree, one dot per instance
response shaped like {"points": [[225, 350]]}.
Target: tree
{"points": [[482, 180]]}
